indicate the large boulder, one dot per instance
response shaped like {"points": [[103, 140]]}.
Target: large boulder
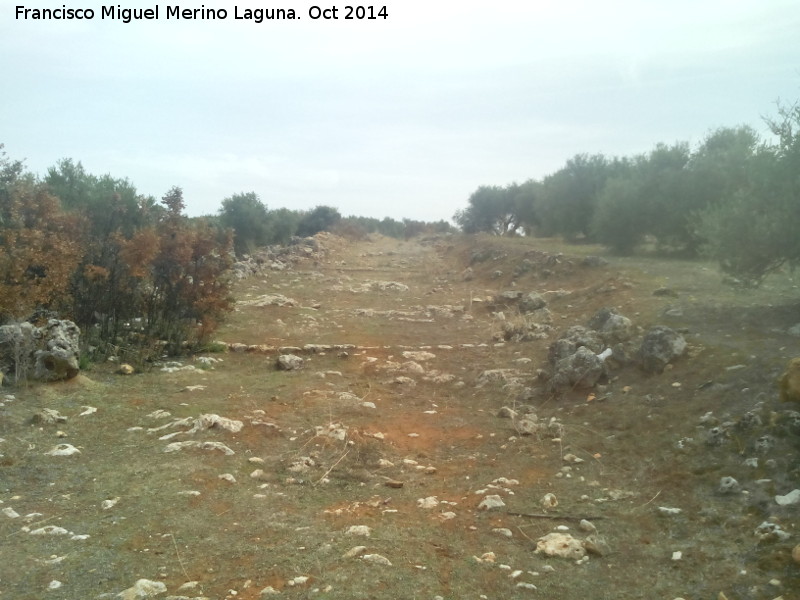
{"points": [[583, 368], [52, 351], [612, 326], [573, 338], [59, 358], [531, 302], [660, 346], [289, 362]]}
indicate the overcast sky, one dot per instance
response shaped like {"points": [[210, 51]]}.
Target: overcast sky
{"points": [[404, 116]]}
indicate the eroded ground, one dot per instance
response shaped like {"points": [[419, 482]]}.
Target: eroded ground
{"points": [[361, 474]]}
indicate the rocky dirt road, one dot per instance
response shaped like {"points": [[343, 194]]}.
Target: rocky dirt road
{"points": [[390, 420]]}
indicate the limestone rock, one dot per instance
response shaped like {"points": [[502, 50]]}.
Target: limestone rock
{"points": [[531, 302], [612, 326], [59, 359], [52, 351], [561, 545], [290, 362], [143, 589], [660, 346], [573, 338], [490, 502], [584, 368]]}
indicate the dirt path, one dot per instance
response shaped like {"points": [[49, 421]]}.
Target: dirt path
{"points": [[382, 469]]}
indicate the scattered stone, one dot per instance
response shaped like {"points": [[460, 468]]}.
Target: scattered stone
{"points": [[49, 530], [159, 414], [376, 559], [299, 580], [587, 526], [428, 503], [523, 585], [796, 554], [63, 450], [771, 532], [527, 425], [177, 446], [269, 591], [207, 421], [420, 356], [491, 502], [48, 416], [670, 512], [583, 368], [596, 545], [87, 410], [110, 503], [10, 513], [125, 369], [289, 362], [269, 300], [549, 501], [573, 338], [792, 497], [660, 346], [560, 545], [361, 530], [613, 327], [728, 485], [503, 531]]}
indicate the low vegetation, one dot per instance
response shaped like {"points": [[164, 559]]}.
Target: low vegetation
{"points": [[734, 198]]}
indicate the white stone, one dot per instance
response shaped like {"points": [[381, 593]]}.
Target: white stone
{"points": [[665, 510], [362, 530], [269, 591], [63, 450], [792, 497], [110, 503], [429, 502], [560, 544], [142, 589], [50, 530], [490, 502], [549, 501], [505, 532], [377, 559], [176, 446]]}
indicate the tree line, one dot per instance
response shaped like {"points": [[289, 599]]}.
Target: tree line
{"points": [[734, 198], [138, 276]]}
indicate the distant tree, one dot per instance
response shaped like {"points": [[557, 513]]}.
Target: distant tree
{"points": [[247, 216], [753, 232], [283, 225], [570, 195], [491, 209], [321, 218], [621, 219]]}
